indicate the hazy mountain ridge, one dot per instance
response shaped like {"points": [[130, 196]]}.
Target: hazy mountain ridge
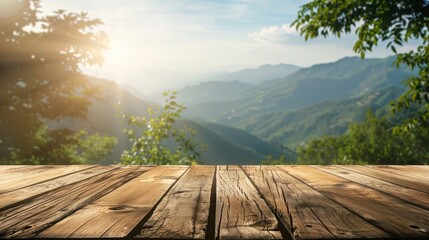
{"points": [[211, 91], [258, 75], [227, 86], [137, 93], [346, 78], [249, 140], [103, 117], [295, 127], [322, 99]]}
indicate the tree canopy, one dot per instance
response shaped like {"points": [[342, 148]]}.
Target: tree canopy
{"points": [[369, 142], [375, 21], [40, 75]]}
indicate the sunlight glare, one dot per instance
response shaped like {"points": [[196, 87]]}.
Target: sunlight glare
{"points": [[118, 52]]}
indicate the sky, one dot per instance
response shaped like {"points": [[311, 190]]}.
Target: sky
{"points": [[158, 45]]}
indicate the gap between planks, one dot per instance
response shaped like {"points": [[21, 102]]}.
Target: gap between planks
{"points": [[411, 196], [19, 196], [34, 175], [307, 213], [391, 214], [117, 214], [195, 208], [404, 181], [184, 211], [29, 218], [259, 192]]}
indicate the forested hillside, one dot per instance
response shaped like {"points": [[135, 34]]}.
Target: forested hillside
{"points": [[295, 127], [321, 100], [345, 78], [223, 147]]}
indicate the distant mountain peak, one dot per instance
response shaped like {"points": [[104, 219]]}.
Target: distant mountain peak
{"points": [[257, 75], [268, 65]]}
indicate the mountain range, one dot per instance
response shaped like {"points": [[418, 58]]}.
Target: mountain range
{"points": [[345, 78], [255, 76], [222, 146], [295, 127], [247, 115], [211, 91], [311, 102]]}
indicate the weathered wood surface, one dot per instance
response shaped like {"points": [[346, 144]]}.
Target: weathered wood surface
{"points": [[386, 212], [240, 211], [31, 176], [409, 195], [14, 197], [407, 171], [117, 213], [401, 180], [214, 202], [184, 212], [28, 218], [307, 212]]}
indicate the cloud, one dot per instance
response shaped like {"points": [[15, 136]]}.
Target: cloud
{"points": [[277, 34], [287, 35]]}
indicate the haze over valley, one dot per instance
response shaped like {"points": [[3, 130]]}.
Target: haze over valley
{"points": [[213, 82], [247, 115]]}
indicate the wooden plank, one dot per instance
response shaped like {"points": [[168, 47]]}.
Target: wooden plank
{"points": [[14, 197], [18, 172], [391, 214], [28, 218], [240, 212], [7, 168], [421, 166], [117, 213], [407, 171], [307, 213], [18, 182], [389, 177], [183, 212], [412, 196]]}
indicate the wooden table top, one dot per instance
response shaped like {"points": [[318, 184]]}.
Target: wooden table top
{"points": [[214, 202]]}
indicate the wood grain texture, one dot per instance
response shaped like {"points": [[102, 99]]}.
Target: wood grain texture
{"points": [[240, 212], [307, 213], [28, 218], [8, 168], [184, 211], [24, 194], [400, 180], [421, 166], [117, 213], [38, 175], [16, 172], [391, 214], [412, 196], [407, 171], [165, 202]]}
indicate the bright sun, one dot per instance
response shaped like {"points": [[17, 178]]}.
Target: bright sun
{"points": [[118, 52]]}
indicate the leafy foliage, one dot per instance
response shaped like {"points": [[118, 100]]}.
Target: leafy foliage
{"points": [[75, 148], [369, 142], [91, 149], [376, 21], [149, 144], [322, 151], [270, 160], [41, 78]]}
